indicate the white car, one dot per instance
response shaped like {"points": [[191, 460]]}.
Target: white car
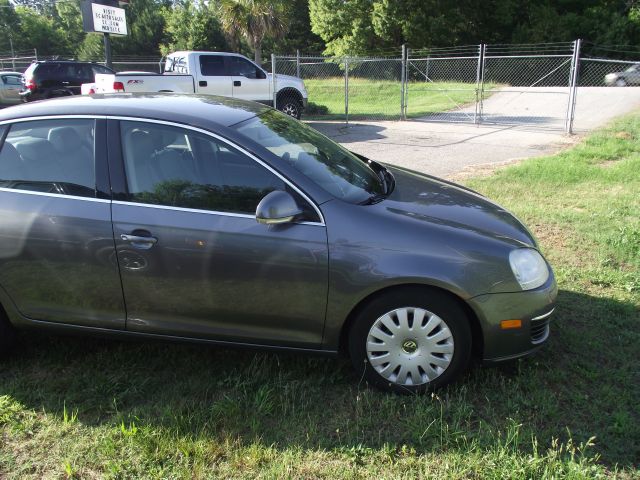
{"points": [[10, 86], [213, 73]]}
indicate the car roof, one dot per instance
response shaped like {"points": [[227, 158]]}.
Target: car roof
{"points": [[205, 111]]}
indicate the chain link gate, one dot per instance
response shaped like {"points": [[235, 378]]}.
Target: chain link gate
{"points": [[528, 84], [443, 84]]}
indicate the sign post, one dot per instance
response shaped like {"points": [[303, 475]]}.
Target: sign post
{"points": [[104, 16]]}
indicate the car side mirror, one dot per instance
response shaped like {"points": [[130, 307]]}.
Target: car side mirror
{"points": [[276, 208]]}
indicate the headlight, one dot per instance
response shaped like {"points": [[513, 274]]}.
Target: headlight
{"points": [[529, 268]]}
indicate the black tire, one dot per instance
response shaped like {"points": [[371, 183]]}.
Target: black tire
{"points": [[290, 105], [443, 306], [8, 337]]}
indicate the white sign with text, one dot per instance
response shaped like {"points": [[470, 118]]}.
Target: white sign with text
{"points": [[109, 19]]}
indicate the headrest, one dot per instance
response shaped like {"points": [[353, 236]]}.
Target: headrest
{"points": [[64, 139], [11, 167], [34, 149], [141, 141]]}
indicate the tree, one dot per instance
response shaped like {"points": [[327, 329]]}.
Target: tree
{"points": [[9, 25], [192, 25], [254, 20], [299, 36], [39, 31]]}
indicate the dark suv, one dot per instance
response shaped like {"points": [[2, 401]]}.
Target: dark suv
{"points": [[58, 78]]}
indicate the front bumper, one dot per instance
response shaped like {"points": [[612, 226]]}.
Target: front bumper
{"points": [[533, 307]]}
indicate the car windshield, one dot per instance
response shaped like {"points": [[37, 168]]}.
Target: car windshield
{"points": [[632, 68], [326, 163]]}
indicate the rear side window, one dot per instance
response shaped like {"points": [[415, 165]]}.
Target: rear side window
{"points": [[13, 80], [212, 65], [100, 69], [54, 156]]}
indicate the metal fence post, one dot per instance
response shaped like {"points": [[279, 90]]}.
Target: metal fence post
{"points": [[35, 53], [483, 56], [426, 70], [346, 90], [573, 91], [403, 81], [476, 118], [273, 79], [298, 63]]}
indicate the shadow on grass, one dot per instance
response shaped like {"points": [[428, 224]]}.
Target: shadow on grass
{"points": [[584, 383]]}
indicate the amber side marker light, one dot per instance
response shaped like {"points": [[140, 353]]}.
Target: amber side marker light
{"points": [[510, 324]]}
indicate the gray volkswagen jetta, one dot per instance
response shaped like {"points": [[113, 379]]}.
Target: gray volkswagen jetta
{"points": [[215, 220]]}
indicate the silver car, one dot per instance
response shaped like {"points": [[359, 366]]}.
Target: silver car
{"points": [[10, 86], [631, 76], [215, 220]]}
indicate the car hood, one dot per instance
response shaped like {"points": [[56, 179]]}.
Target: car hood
{"points": [[441, 203]]}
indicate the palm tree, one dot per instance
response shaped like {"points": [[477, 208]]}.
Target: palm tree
{"points": [[253, 20]]}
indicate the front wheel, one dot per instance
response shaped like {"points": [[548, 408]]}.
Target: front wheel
{"points": [[291, 106], [411, 341]]}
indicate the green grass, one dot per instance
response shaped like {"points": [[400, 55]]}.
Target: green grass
{"points": [[79, 408], [381, 99]]}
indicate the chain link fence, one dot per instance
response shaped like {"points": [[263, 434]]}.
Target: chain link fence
{"points": [[526, 84], [443, 84], [20, 61], [347, 88], [542, 85], [17, 61]]}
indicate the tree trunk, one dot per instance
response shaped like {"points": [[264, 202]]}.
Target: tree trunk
{"points": [[258, 54]]}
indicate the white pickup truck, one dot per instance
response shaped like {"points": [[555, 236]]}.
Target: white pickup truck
{"points": [[213, 73]]}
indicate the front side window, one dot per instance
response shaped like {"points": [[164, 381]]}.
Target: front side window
{"points": [[240, 67], [176, 167], [212, 65], [326, 163], [55, 156]]}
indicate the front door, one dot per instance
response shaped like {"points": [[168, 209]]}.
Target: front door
{"points": [[57, 255], [249, 81], [194, 262]]}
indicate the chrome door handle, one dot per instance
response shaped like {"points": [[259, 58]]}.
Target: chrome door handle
{"points": [[139, 242]]}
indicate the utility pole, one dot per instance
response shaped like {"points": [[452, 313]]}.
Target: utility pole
{"points": [[107, 51]]}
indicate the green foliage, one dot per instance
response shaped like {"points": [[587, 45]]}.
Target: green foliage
{"points": [[192, 25], [369, 26], [253, 20]]}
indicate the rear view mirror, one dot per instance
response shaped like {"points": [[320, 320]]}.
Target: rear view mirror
{"points": [[276, 208]]}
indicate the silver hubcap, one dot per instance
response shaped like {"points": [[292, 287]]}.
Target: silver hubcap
{"points": [[290, 109], [410, 346]]}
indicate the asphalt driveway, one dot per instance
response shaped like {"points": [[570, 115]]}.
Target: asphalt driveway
{"points": [[531, 124]]}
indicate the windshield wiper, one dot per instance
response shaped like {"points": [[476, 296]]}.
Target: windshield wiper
{"points": [[375, 198]]}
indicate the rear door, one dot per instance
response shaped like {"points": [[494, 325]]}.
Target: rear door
{"points": [[211, 76], [11, 86], [249, 81], [57, 256]]}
